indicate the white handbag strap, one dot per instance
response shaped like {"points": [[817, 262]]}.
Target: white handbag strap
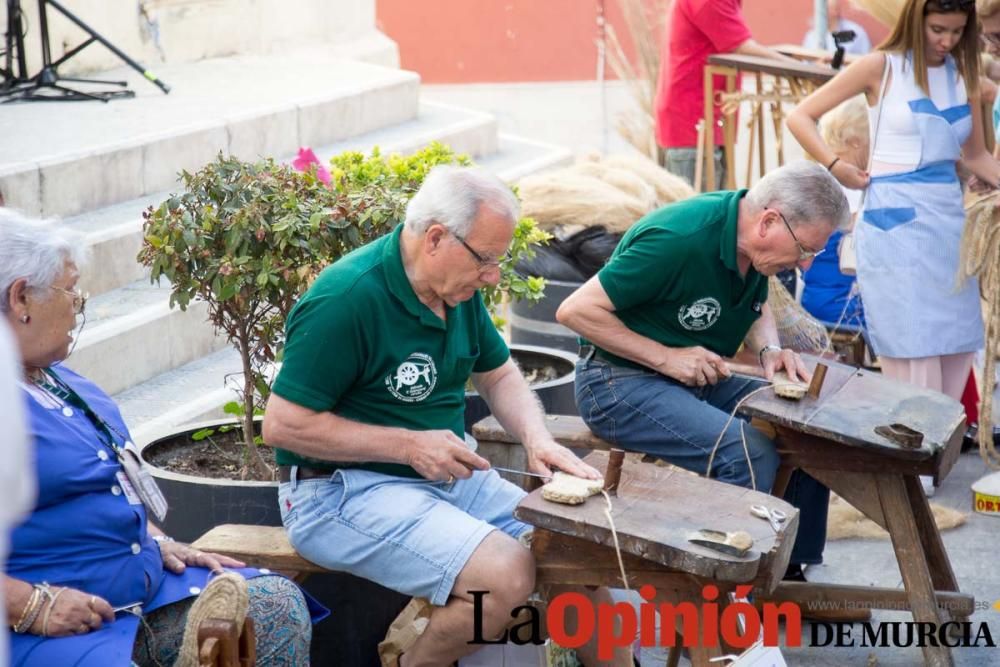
{"points": [[874, 137]]}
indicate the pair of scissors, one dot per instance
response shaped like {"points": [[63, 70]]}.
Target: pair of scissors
{"points": [[774, 517]]}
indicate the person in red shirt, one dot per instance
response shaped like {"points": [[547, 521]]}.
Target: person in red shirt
{"points": [[695, 30]]}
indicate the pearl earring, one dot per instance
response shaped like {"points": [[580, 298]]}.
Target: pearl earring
{"points": [[25, 318]]}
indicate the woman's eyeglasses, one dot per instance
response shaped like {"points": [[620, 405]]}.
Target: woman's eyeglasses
{"points": [[79, 298]]}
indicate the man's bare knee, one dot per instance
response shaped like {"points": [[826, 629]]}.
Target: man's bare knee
{"points": [[500, 566]]}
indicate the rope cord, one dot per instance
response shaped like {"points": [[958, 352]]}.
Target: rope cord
{"points": [[718, 441], [614, 538]]}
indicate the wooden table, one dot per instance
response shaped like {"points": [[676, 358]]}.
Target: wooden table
{"points": [[654, 512], [789, 82], [833, 439]]}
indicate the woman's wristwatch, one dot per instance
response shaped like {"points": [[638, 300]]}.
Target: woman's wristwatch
{"points": [[766, 348], [160, 539]]}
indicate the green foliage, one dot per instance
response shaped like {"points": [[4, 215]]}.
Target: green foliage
{"points": [[352, 171]]}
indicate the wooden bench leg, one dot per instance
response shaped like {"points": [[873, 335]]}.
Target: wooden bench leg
{"points": [[942, 574], [906, 542], [781, 480], [689, 589]]}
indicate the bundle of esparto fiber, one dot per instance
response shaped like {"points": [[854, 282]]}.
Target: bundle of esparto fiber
{"points": [[623, 179], [980, 258], [797, 329], [669, 187], [885, 11], [565, 197]]}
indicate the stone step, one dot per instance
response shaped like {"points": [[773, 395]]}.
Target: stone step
{"points": [[131, 335], [63, 159], [197, 391], [518, 157], [114, 233], [191, 393]]}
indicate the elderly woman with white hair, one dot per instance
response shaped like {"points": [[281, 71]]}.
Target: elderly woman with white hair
{"points": [[87, 565]]}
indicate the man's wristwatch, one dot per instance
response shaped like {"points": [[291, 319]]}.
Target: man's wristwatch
{"points": [[766, 348]]}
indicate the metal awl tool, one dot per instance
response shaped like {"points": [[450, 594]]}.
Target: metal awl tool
{"points": [[520, 472]]}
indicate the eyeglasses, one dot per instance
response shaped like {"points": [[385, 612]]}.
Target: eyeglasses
{"points": [[804, 252], [483, 263], [79, 298]]}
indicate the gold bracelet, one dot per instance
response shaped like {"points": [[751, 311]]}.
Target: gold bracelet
{"points": [[44, 592], [32, 602]]}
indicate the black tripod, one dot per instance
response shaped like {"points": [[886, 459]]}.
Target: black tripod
{"points": [[13, 48], [47, 84]]}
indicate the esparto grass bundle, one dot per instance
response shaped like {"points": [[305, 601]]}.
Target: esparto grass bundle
{"points": [[980, 258]]}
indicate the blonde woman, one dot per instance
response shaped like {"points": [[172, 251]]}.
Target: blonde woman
{"points": [[924, 328], [827, 293]]}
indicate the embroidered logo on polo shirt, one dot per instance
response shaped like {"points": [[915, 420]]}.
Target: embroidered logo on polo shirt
{"points": [[700, 315], [414, 379]]}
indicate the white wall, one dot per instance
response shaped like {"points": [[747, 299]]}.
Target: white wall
{"points": [[156, 31]]}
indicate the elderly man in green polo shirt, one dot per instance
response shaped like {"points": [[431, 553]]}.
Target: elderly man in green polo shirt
{"points": [[684, 289], [368, 415]]}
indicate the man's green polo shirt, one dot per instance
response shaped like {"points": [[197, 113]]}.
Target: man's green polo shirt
{"points": [[674, 277], [360, 344]]}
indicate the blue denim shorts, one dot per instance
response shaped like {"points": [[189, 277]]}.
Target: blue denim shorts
{"points": [[411, 535]]}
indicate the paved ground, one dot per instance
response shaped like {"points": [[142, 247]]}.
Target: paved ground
{"points": [[582, 118]]}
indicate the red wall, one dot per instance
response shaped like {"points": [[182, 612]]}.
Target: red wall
{"points": [[466, 41]]}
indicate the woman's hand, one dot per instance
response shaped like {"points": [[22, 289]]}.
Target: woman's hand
{"points": [[849, 175], [177, 556], [72, 612]]}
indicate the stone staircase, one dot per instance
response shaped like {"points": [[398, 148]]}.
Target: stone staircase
{"points": [[98, 166]]}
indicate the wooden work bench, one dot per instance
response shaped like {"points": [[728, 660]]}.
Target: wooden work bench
{"points": [[833, 438], [788, 83], [655, 510]]}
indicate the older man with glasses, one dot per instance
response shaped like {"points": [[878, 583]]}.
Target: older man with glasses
{"points": [[368, 412], [683, 291]]}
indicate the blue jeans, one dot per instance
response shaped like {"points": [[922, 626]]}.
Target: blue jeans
{"points": [[643, 411]]}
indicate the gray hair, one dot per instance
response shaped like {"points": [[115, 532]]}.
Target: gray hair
{"points": [[805, 193], [453, 197], [36, 250]]}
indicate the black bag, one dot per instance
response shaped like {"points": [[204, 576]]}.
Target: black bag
{"points": [[591, 248], [551, 264]]}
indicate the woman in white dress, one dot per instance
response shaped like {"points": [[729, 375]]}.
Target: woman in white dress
{"points": [[924, 326]]}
